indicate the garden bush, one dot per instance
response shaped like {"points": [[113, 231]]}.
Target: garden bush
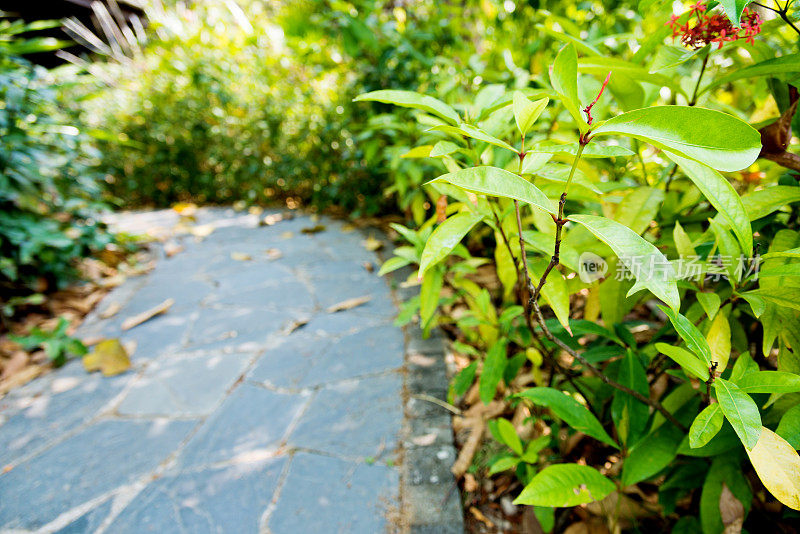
{"points": [[49, 183], [615, 251]]}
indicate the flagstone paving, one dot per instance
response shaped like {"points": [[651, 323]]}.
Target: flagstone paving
{"points": [[233, 418]]}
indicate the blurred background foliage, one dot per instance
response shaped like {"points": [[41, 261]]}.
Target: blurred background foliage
{"points": [[248, 100]]}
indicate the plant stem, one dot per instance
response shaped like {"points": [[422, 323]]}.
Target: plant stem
{"points": [[597, 372], [532, 307], [693, 101]]}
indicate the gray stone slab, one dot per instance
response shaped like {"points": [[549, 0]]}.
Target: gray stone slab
{"points": [[183, 385], [33, 417], [292, 294], [358, 418], [327, 495], [251, 423], [306, 359], [86, 465], [227, 499], [214, 324]]}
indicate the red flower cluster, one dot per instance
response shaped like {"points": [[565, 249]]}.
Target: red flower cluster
{"points": [[707, 28]]}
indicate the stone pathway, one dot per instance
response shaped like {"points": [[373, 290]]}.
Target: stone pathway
{"points": [[229, 420]]}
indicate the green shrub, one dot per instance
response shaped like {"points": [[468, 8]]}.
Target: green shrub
{"points": [[636, 337], [49, 185]]}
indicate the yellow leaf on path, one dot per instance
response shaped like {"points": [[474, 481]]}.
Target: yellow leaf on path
{"points": [[136, 320], [349, 304], [778, 466], [241, 256], [273, 254], [372, 244], [186, 209], [203, 230], [719, 339], [109, 357], [313, 229]]}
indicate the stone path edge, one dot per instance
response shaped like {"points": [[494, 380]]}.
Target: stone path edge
{"points": [[429, 494]]}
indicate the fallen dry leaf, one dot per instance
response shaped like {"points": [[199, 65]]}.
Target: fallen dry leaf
{"points": [[349, 304], [295, 325], [731, 511], [21, 378], [347, 227], [273, 254], [470, 484], [287, 235], [187, 209], [372, 244], [109, 357], [171, 248], [269, 220], [241, 256], [317, 228], [480, 517], [147, 315], [368, 266], [18, 360], [202, 230], [111, 310]]}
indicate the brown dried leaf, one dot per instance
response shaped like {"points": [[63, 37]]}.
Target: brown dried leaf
{"points": [[17, 362], [731, 511], [480, 517], [111, 310], [147, 315], [317, 228], [241, 256], [349, 304], [273, 254]]}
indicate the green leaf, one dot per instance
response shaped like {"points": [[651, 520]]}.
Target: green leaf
{"points": [[464, 379], [564, 78], [690, 334], [786, 64], [565, 485], [392, 264], [725, 469], [445, 238], [493, 367], [443, 148], [639, 208], [789, 426], [653, 271], [715, 138], [788, 297], [733, 10], [763, 202], [720, 194], [705, 426], [422, 151], [592, 150], [526, 112], [508, 436], [743, 366], [473, 132], [503, 463], [630, 414], [740, 410], [651, 455], [534, 161], [573, 413], [769, 382], [410, 99], [497, 182], [710, 303], [688, 361], [432, 283]]}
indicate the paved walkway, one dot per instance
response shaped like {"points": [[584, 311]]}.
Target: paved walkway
{"points": [[230, 420]]}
